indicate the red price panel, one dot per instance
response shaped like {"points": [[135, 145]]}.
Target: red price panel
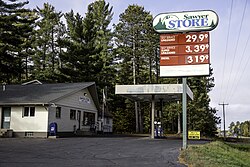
{"points": [[182, 39], [184, 49], [184, 60]]}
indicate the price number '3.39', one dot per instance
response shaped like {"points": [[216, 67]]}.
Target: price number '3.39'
{"points": [[201, 48]]}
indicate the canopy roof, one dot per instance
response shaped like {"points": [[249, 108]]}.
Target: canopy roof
{"points": [[165, 92]]}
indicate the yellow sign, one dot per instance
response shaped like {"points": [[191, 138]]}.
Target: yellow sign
{"points": [[194, 135]]}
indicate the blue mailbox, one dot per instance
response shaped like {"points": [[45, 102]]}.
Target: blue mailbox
{"points": [[53, 129]]}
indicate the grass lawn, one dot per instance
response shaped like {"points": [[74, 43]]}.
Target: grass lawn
{"points": [[217, 154]]}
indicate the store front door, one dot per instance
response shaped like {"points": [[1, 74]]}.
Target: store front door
{"points": [[6, 111]]}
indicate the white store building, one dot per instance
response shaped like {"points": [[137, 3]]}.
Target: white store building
{"points": [[29, 109]]}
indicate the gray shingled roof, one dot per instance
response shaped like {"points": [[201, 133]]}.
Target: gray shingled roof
{"points": [[39, 94]]}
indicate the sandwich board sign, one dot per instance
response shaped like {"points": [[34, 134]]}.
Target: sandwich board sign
{"points": [[194, 135]]}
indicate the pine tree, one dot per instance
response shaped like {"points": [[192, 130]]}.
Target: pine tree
{"points": [[135, 53], [201, 116], [133, 38], [97, 21], [50, 30], [87, 56], [27, 46], [15, 31], [74, 43]]}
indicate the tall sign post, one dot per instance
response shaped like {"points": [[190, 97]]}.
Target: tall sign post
{"points": [[184, 48]]}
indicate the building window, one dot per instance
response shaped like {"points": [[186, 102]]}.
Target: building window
{"points": [[29, 111], [32, 111], [78, 115], [107, 120], [26, 112], [58, 112], [72, 114], [88, 119]]}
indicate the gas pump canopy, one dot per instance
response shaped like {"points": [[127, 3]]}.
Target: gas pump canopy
{"points": [[165, 92]]}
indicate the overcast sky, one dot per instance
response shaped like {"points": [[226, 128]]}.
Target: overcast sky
{"points": [[229, 46]]}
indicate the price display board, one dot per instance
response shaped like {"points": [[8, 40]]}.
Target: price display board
{"points": [[184, 54]]}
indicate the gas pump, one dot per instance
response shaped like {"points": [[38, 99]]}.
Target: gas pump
{"points": [[158, 123]]}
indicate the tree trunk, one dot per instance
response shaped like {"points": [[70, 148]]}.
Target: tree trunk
{"points": [[150, 70], [156, 65], [26, 66], [179, 123], [53, 49]]}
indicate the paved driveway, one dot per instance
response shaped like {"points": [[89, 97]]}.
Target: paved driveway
{"points": [[89, 152]]}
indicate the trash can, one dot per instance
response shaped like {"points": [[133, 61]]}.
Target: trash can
{"points": [[53, 129]]}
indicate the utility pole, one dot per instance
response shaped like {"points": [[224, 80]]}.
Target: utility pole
{"points": [[224, 121]]}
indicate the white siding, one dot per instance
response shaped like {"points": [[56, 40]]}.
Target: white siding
{"points": [[38, 123], [73, 101], [64, 124]]}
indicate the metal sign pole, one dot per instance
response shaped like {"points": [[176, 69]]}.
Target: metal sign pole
{"points": [[153, 117], [184, 112]]}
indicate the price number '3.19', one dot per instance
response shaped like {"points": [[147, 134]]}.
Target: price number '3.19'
{"points": [[194, 59]]}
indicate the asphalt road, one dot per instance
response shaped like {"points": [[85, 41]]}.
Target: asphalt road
{"points": [[89, 152]]}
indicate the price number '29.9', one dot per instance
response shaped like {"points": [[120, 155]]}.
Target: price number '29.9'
{"points": [[196, 38]]}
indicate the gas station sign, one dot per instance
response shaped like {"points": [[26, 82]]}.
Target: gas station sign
{"points": [[184, 42], [185, 50]]}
